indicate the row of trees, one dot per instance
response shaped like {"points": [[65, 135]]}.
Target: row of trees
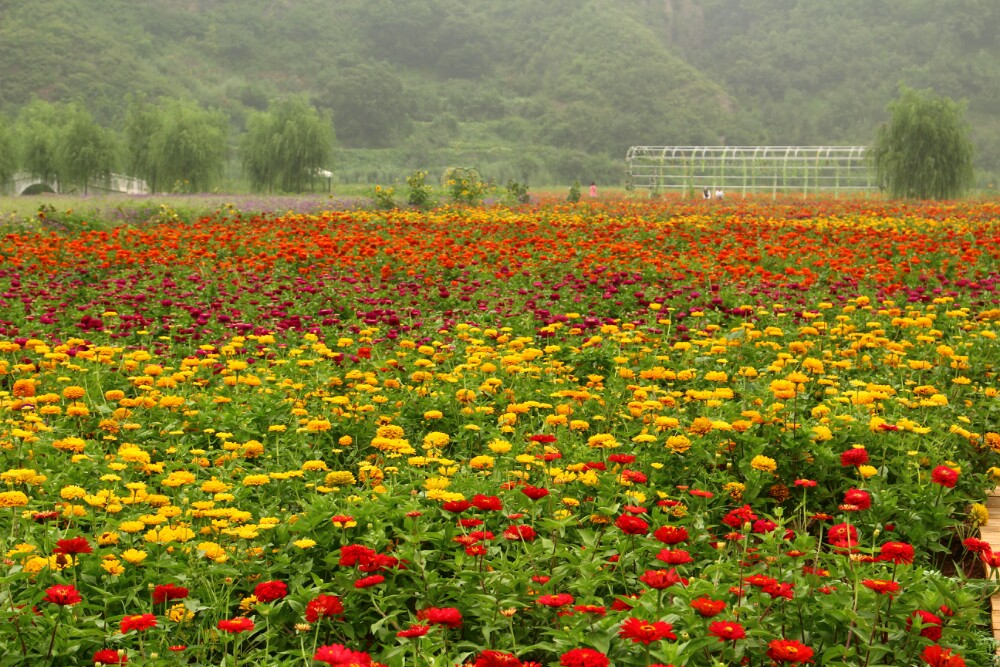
{"points": [[174, 145]]}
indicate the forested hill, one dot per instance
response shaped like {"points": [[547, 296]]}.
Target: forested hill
{"points": [[535, 88]]}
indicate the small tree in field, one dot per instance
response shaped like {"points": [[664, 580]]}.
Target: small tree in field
{"points": [[924, 151]]}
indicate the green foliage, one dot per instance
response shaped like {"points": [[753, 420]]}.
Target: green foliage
{"points": [[368, 104], [37, 133], [924, 151], [287, 145], [419, 193], [574, 192], [85, 151], [464, 185], [8, 153], [384, 199], [516, 193]]}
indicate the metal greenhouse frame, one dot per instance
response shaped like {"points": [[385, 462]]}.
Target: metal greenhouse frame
{"points": [[743, 169]]}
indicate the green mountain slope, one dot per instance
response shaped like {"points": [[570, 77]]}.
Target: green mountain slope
{"points": [[531, 89]]}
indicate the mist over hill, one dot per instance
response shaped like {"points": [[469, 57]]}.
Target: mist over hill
{"points": [[540, 91]]}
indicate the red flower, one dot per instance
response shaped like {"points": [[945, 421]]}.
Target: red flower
{"points": [[109, 656], [977, 546], [674, 556], [590, 609], [930, 624], [899, 553], [789, 650], [807, 483], [535, 492], [624, 459], [62, 594], [456, 506], [323, 606], [708, 607], [164, 592], [935, 656], [351, 554], [944, 476], [447, 616], [726, 631], [235, 625], [557, 600], [646, 632], [497, 659], [414, 631], [761, 581], [583, 657], [856, 500], [843, 533], [634, 476], [487, 503], [857, 456], [782, 590], [632, 525], [543, 438], [660, 579], [737, 517], [138, 622], [73, 545], [366, 582], [269, 591], [671, 534], [882, 586], [338, 655], [520, 533]]}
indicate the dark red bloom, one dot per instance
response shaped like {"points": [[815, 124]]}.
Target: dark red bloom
{"points": [[856, 500], [109, 656], [556, 600], [882, 586], [497, 659], [843, 533], [535, 492], [660, 579], [789, 650], [590, 609], [323, 606], [487, 503], [235, 625], [414, 630], [624, 459], [138, 622], [977, 546], [646, 632], [447, 616], [456, 506], [857, 456], [73, 545], [708, 607], [780, 590], [367, 582], [674, 556], [269, 591], [543, 438], [338, 655], [739, 516], [164, 592], [351, 554], [944, 476], [930, 624], [520, 533], [726, 630], [671, 534], [935, 656], [62, 594], [632, 525], [634, 476], [583, 657], [898, 553]]}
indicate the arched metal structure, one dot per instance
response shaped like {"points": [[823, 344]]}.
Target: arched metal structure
{"points": [[746, 169]]}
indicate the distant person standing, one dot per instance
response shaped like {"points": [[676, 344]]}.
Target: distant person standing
{"points": [[718, 193], [706, 193], [593, 190]]}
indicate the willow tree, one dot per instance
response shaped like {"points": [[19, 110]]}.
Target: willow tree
{"points": [[85, 151], [8, 156], [924, 151], [286, 146]]}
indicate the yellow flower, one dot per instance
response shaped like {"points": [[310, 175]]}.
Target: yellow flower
{"points": [[134, 556], [867, 471], [979, 514], [304, 543], [433, 414], [763, 463], [499, 446], [678, 443], [179, 613], [256, 480], [13, 499], [112, 566]]}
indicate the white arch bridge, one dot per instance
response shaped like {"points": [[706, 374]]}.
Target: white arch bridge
{"points": [[24, 182], [745, 169]]}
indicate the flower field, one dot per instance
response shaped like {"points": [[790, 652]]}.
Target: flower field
{"points": [[614, 433]]}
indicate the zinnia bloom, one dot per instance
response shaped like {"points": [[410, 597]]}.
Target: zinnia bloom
{"points": [[269, 591], [557, 600], [338, 655], [726, 631], [535, 492], [323, 606], [497, 659], [882, 586], [447, 616], [520, 533], [944, 476], [930, 624], [73, 545], [789, 650], [660, 579], [164, 592], [708, 607], [583, 657], [935, 656], [366, 582], [62, 594], [854, 457], [138, 622], [856, 500], [235, 625], [414, 630], [109, 656], [898, 553], [671, 534], [646, 632], [632, 525]]}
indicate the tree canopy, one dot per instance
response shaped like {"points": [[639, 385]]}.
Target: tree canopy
{"points": [[924, 150], [286, 146]]}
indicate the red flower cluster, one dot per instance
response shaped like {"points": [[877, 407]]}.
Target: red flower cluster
{"points": [[447, 616], [557, 600], [930, 624], [856, 456], [164, 592], [671, 534], [109, 656], [944, 476], [726, 631], [632, 525], [708, 607], [235, 625], [789, 650], [646, 632], [338, 655], [935, 656], [898, 553], [138, 622], [73, 545], [269, 591], [882, 586], [583, 657], [323, 606], [62, 594], [497, 659]]}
